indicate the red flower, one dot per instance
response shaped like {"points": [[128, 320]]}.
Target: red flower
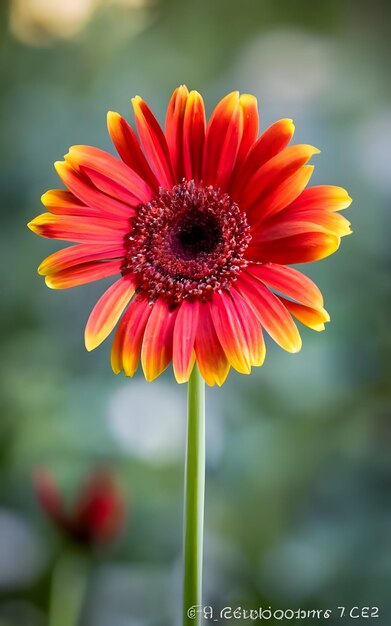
{"points": [[202, 222], [96, 516]]}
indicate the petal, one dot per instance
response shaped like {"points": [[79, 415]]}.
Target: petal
{"points": [[126, 350], [193, 136], [183, 340], [107, 312], [78, 229], [327, 197], [249, 107], [127, 185], [305, 242], [270, 311], [63, 202], [251, 329], [330, 220], [82, 187], [49, 495], [211, 359], [125, 140], [154, 143], [82, 274], [271, 142], [230, 332], [274, 173], [174, 129], [282, 195], [289, 282], [156, 352], [223, 135], [75, 255], [313, 318]]}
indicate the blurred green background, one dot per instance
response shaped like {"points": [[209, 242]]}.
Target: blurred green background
{"points": [[298, 506]]}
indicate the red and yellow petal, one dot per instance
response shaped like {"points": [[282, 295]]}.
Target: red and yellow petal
{"points": [[272, 141], [110, 175], [314, 318], [230, 331], [325, 197], [64, 202], [251, 329], [271, 313], [126, 350], [82, 187], [280, 197], [83, 274], [292, 242], [211, 358], [125, 140], [76, 255], [273, 175], [223, 136], [185, 329], [174, 129], [156, 352], [194, 125], [107, 311], [289, 282], [330, 220], [78, 229], [249, 109], [154, 143]]}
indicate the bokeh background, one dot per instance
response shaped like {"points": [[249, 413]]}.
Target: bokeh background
{"points": [[298, 505]]}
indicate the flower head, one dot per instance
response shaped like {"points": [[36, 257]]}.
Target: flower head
{"points": [[201, 222], [97, 514]]}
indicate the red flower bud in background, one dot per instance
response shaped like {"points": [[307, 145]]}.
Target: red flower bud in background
{"points": [[97, 514]]}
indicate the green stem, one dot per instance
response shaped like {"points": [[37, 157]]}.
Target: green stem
{"points": [[194, 499], [69, 584]]}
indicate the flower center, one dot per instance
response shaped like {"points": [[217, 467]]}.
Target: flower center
{"points": [[186, 243]]}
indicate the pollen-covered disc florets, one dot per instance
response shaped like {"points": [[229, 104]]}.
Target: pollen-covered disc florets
{"points": [[186, 243]]}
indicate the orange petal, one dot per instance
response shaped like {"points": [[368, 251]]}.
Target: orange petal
{"points": [[251, 329], [63, 202], [272, 314], [211, 359], [154, 143], [107, 312], [183, 340], [249, 107], [126, 350], [75, 255], [82, 274], [125, 140], [282, 195], [327, 197], [313, 318], [127, 185], [289, 282], [83, 188], [301, 247], [330, 220], [193, 136], [230, 332], [156, 352], [274, 173], [271, 142], [300, 242], [174, 129], [78, 229], [223, 136]]}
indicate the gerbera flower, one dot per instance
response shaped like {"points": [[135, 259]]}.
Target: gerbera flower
{"points": [[95, 516], [201, 223]]}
